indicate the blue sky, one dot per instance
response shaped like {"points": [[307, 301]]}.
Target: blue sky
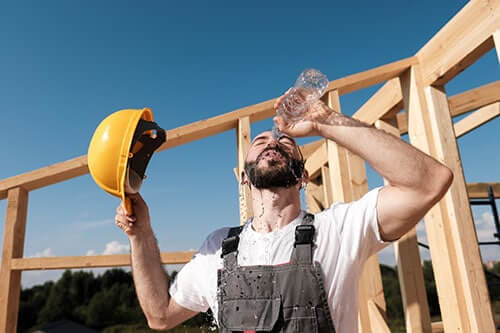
{"points": [[66, 65]]}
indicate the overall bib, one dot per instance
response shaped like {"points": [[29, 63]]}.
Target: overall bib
{"points": [[284, 298]]}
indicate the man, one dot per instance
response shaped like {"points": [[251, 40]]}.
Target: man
{"points": [[286, 270]]}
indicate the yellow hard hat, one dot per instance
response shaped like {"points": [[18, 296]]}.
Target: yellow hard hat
{"points": [[120, 150]]}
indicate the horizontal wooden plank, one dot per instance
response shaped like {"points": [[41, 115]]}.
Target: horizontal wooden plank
{"points": [[207, 127], [196, 131], [463, 102], [476, 119], [382, 102], [463, 40], [45, 176], [480, 190], [115, 260], [371, 77], [474, 98]]}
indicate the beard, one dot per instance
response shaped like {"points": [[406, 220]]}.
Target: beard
{"points": [[276, 173]]}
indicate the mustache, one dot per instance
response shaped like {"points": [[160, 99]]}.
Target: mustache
{"points": [[276, 148]]}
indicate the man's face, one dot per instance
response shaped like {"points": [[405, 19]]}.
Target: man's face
{"points": [[273, 163]]}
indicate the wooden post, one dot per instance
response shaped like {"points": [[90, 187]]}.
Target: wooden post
{"points": [[460, 281], [243, 143], [411, 276], [377, 316], [13, 247], [326, 186], [337, 159], [347, 183]]}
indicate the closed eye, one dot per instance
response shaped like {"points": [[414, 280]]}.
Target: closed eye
{"points": [[286, 141]]}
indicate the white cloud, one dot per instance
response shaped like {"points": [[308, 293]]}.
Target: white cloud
{"points": [[485, 227], [114, 247], [487, 217], [44, 253]]}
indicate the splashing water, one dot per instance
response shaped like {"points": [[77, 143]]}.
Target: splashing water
{"points": [[276, 133]]}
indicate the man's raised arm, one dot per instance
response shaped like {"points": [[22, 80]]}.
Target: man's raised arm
{"points": [[151, 281], [416, 180]]}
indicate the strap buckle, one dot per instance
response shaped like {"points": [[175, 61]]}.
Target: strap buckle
{"points": [[304, 234], [229, 245]]}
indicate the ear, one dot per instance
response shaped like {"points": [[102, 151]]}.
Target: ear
{"points": [[305, 176], [244, 178]]}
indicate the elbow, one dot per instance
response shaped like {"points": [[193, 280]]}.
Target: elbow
{"points": [[158, 323], [443, 177]]}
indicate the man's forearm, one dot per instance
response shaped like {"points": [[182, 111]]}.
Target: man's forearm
{"points": [[400, 163], [151, 282]]}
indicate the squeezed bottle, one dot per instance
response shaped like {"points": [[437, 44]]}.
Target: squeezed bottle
{"points": [[308, 88]]}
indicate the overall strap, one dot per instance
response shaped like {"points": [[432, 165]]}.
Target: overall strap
{"points": [[304, 239], [230, 247]]}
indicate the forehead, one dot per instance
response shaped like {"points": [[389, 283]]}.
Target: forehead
{"points": [[268, 135]]}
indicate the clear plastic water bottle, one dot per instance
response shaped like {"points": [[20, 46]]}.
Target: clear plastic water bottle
{"points": [[309, 87]]}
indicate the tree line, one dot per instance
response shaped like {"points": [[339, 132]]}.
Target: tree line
{"points": [[107, 302]]}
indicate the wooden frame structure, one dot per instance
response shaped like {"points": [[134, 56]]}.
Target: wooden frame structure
{"points": [[415, 84]]}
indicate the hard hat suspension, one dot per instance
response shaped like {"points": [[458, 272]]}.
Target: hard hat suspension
{"points": [[148, 137]]}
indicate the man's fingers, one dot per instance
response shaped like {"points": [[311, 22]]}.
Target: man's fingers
{"points": [[280, 99]]}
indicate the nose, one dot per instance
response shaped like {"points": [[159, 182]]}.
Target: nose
{"points": [[273, 143]]}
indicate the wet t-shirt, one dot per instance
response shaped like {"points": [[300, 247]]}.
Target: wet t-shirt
{"points": [[346, 235]]}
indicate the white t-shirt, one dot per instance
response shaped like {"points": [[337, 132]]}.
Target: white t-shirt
{"points": [[346, 235]]}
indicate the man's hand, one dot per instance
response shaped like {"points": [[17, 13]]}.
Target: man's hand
{"points": [[317, 113], [137, 223]]}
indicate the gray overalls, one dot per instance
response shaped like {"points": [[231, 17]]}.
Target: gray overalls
{"points": [[284, 298]]}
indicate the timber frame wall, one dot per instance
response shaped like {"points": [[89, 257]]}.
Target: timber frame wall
{"points": [[415, 84]]}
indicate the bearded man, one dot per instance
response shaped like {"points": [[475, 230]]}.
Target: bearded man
{"points": [[286, 270]]}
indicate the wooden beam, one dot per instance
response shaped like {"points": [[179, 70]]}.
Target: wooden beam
{"points": [[381, 103], [310, 148], [474, 98], [45, 176], [243, 145], [377, 317], [452, 305], [313, 205], [326, 188], [371, 77], [316, 160], [480, 190], [385, 101], [218, 124], [13, 247], [452, 239], [463, 40], [348, 183], [337, 160], [370, 284], [114, 260], [411, 276], [316, 191], [476, 119], [463, 102]]}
